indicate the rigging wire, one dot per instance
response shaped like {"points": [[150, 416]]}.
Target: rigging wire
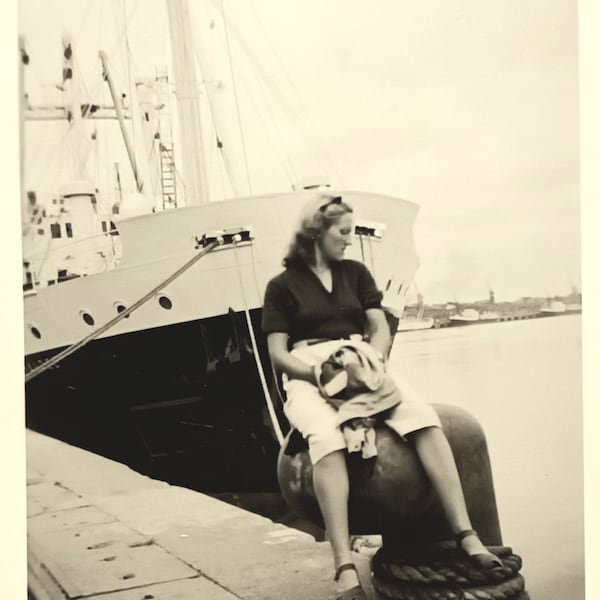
{"points": [[275, 138], [96, 158], [293, 117], [277, 141], [217, 133], [97, 332], [49, 166], [320, 147], [235, 94], [79, 77], [121, 28], [259, 366], [84, 19], [287, 163], [254, 276], [154, 180], [98, 79]]}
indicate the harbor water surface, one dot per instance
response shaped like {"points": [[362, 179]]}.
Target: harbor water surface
{"points": [[522, 381]]}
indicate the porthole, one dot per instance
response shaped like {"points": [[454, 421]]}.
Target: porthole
{"points": [[165, 302], [35, 332], [388, 285], [121, 307], [87, 318]]}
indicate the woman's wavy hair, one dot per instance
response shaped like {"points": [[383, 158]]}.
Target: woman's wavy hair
{"points": [[316, 219]]}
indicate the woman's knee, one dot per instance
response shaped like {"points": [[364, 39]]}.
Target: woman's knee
{"points": [[430, 432], [334, 461], [330, 475]]}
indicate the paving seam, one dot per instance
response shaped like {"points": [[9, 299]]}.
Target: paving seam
{"points": [[151, 541], [137, 587], [49, 511], [40, 580]]}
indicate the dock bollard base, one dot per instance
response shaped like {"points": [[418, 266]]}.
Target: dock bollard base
{"points": [[442, 573]]}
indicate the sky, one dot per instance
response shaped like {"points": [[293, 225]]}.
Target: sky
{"points": [[467, 108]]}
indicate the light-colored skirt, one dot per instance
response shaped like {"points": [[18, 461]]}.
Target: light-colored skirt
{"points": [[315, 418]]}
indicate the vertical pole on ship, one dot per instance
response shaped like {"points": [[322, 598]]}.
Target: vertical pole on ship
{"points": [[23, 60], [121, 118], [187, 92]]}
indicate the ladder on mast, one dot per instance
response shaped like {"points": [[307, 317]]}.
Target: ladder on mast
{"points": [[167, 161]]}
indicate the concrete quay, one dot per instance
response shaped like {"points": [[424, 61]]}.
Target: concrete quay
{"points": [[97, 529]]}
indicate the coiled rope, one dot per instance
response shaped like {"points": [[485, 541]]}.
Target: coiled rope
{"points": [[259, 366], [445, 566], [446, 575], [80, 344], [512, 589]]}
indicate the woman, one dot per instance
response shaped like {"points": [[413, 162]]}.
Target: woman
{"points": [[320, 297]]}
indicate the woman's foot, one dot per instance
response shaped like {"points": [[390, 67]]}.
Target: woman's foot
{"points": [[348, 585], [468, 541]]}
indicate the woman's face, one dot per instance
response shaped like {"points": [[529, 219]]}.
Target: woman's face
{"points": [[333, 241]]}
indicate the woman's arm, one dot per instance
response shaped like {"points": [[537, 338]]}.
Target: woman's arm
{"points": [[284, 362], [379, 331]]}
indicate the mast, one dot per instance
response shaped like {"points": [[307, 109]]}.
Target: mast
{"points": [[72, 87], [118, 109], [119, 188], [186, 86], [23, 60], [147, 121]]}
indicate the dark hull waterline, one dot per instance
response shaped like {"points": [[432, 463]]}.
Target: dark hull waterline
{"points": [[181, 403]]}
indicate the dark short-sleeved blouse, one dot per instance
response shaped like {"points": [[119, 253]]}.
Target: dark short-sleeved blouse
{"points": [[297, 303]]}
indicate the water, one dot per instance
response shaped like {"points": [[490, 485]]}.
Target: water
{"points": [[522, 381]]}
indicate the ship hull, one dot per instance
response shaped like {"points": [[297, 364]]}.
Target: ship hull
{"points": [[156, 246], [461, 322], [181, 402], [551, 313], [172, 389]]}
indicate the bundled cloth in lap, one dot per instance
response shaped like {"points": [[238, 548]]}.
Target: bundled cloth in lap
{"points": [[353, 380]]}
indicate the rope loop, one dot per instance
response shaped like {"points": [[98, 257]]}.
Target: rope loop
{"points": [[444, 565], [258, 362], [443, 573], [511, 589]]}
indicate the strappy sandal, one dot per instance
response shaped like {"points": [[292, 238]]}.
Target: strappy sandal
{"points": [[353, 593], [486, 561]]}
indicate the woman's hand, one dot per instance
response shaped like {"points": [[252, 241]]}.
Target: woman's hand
{"points": [[284, 362]]}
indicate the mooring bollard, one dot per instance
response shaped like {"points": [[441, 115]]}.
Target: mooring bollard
{"points": [[392, 496]]}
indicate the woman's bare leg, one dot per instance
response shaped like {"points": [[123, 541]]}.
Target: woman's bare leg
{"points": [[330, 478], [436, 456]]}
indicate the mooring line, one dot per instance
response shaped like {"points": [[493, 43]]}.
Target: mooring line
{"points": [[88, 338]]}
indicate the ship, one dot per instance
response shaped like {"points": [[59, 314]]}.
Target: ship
{"points": [[467, 316], [552, 309], [142, 316], [488, 316]]}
